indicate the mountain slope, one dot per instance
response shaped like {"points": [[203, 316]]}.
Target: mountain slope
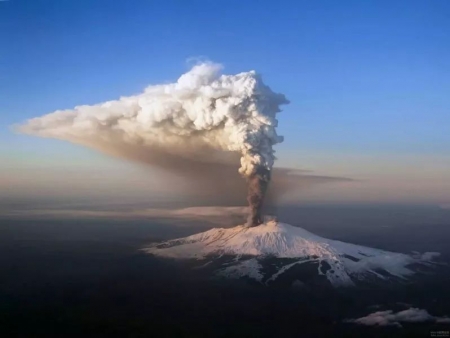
{"points": [[341, 263]]}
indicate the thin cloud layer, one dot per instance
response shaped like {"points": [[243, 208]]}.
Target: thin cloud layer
{"points": [[389, 318], [215, 214]]}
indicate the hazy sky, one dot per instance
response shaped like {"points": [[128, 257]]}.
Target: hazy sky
{"points": [[368, 84]]}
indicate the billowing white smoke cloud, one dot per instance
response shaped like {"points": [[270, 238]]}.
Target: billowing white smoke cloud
{"points": [[199, 118], [203, 109], [387, 318]]}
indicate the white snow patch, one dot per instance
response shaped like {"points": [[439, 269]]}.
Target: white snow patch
{"points": [[284, 268], [430, 255], [249, 268]]}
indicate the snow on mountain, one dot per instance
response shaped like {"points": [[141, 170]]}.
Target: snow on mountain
{"points": [[343, 262]]}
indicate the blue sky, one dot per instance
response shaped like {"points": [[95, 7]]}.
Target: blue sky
{"points": [[368, 78]]}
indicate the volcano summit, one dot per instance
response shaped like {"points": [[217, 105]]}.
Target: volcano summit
{"points": [[267, 251]]}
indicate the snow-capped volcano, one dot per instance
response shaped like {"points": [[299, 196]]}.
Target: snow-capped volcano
{"points": [[341, 263]]}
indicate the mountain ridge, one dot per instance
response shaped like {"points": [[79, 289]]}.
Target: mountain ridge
{"points": [[341, 263]]}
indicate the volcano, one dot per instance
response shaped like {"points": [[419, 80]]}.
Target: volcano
{"points": [[267, 252]]}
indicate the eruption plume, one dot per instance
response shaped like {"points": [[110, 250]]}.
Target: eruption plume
{"points": [[198, 119], [257, 187]]}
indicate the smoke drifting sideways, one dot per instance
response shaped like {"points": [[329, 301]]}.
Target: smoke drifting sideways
{"points": [[196, 123]]}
